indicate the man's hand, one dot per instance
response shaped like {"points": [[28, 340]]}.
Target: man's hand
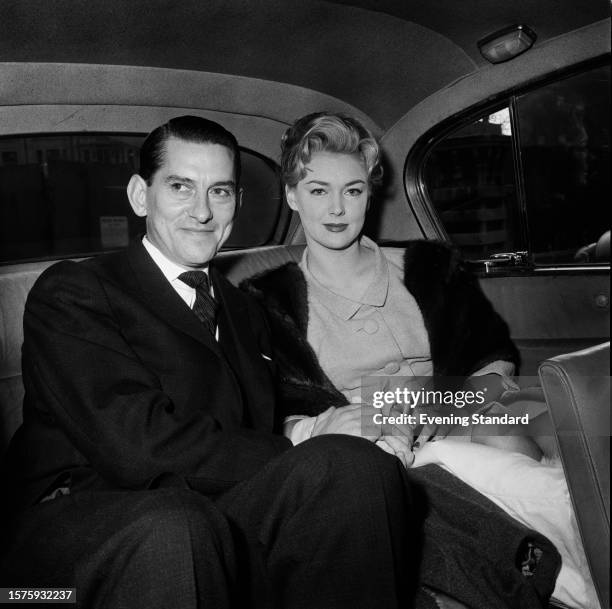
{"points": [[350, 420], [400, 446], [346, 420]]}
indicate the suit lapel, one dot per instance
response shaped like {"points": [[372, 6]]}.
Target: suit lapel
{"points": [[231, 312], [160, 297], [142, 277], [235, 337]]}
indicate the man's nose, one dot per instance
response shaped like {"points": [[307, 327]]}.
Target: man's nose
{"points": [[200, 209], [336, 205]]}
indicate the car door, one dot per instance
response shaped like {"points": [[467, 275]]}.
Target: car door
{"points": [[522, 189]]}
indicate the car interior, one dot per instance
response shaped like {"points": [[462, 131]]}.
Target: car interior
{"points": [[494, 123]]}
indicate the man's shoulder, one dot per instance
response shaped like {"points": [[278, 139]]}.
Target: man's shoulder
{"points": [[71, 274]]}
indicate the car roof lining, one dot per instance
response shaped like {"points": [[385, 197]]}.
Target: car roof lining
{"points": [[337, 48]]}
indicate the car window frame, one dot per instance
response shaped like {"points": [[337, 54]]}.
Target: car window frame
{"points": [[423, 208]]}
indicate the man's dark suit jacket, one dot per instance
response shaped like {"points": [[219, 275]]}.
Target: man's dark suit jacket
{"points": [[124, 384]]}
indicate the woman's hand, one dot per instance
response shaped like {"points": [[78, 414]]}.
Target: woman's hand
{"points": [[346, 420], [489, 385], [432, 431]]}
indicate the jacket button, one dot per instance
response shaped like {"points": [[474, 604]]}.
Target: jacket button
{"points": [[370, 326], [391, 368], [48, 418]]}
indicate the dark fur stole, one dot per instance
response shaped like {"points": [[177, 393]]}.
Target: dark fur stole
{"points": [[465, 333]]}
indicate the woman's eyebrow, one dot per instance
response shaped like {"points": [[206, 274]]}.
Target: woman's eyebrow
{"points": [[351, 183]]}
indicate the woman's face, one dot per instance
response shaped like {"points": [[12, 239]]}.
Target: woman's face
{"points": [[331, 199]]}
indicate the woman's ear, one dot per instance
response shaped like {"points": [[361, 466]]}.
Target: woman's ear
{"points": [[239, 198], [290, 196], [137, 194]]}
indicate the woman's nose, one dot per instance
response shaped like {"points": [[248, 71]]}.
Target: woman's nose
{"points": [[201, 208], [336, 206]]}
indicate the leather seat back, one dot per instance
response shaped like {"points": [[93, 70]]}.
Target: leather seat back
{"points": [[577, 390]]}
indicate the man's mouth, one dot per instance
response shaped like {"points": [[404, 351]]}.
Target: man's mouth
{"points": [[199, 230], [335, 228]]}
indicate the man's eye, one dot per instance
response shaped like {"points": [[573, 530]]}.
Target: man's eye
{"points": [[180, 188], [221, 192]]}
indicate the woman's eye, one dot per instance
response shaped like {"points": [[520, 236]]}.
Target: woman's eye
{"points": [[354, 192], [317, 191]]}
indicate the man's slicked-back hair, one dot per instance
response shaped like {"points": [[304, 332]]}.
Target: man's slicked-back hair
{"points": [[189, 129], [327, 132]]}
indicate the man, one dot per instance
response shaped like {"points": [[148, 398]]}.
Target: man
{"points": [[147, 472]]}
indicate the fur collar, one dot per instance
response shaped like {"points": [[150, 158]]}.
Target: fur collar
{"points": [[303, 386]]}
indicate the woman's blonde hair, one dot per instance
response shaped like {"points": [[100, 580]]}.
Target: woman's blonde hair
{"points": [[327, 132]]}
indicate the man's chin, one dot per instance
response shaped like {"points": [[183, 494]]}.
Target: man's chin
{"points": [[199, 260]]}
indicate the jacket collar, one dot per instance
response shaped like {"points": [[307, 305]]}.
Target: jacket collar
{"points": [[160, 297], [375, 294]]}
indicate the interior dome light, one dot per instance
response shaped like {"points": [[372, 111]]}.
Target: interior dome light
{"points": [[507, 43]]}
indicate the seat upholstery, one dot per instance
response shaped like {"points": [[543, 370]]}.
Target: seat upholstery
{"points": [[577, 390], [15, 283]]}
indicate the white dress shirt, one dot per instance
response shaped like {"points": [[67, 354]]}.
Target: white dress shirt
{"points": [[171, 272]]}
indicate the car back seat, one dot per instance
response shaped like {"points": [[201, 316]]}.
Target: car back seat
{"points": [[17, 280]]}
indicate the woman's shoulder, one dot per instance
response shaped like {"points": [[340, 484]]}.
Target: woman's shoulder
{"points": [[423, 256], [394, 256]]}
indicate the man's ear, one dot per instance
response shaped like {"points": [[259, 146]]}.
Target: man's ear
{"points": [[290, 196], [137, 194]]}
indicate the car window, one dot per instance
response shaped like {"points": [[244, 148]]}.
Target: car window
{"points": [[530, 176], [565, 154], [471, 181], [64, 195]]}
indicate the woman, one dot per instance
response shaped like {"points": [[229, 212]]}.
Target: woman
{"points": [[404, 314], [351, 310]]}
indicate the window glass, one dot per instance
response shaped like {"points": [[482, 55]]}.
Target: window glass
{"points": [[469, 176], [65, 195], [565, 155], [557, 207]]}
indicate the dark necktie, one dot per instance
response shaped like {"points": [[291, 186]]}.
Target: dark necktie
{"points": [[205, 306]]}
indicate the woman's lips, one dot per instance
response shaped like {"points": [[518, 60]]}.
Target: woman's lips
{"points": [[335, 228]]}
